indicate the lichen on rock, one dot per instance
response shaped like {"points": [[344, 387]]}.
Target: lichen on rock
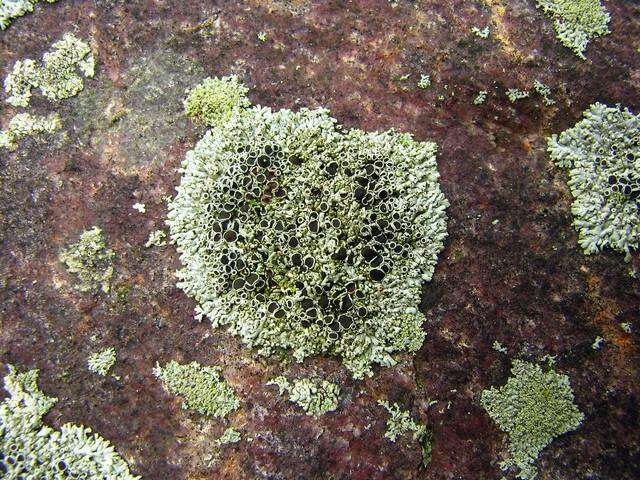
{"points": [[315, 396], [297, 234], [201, 387], [212, 102], [24, 124], [10, 9], [101, 362], [90, 260], [532, 408], [30, 449], [602, 156]]}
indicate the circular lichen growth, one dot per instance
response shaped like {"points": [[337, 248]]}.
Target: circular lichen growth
{"points": [[299, 235], [212, 102]]}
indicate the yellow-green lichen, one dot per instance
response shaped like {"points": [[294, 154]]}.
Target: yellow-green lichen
{"points": [[544, 91], [25, 124], [315, 396], [29, 449], [400, 423], [424, 82], [157, 238], [59, 75], [532, 408], [101, 362], [515, 94], [213, 101], [10, 9], [230, 435], [90, 260], [577, 21], [201, 387], [480, 98], [481, 32]]}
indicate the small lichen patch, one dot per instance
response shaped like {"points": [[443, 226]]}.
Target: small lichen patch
{"points": [[576, 21], [480, 98], [424, 82], [532, 408], [10, 9], [300, 235], [213, 101], [30, 449], [544, 91], [315, 396], [514, 94], [90, 260], [101, 362], [56, 75], [602, 156], [140, 207], [157, 238], [400, 422], [25, 124], [201, 387], [481, 32], [230, 435]]}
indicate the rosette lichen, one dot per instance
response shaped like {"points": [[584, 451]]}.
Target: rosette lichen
{"points": [[90, 260], [315, 396], [201, 387], [297, 234], [533, 408], [602, 156], [212, 101], [29, 449]]}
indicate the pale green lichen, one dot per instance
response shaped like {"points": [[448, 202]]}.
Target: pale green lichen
{"points": [[533, 408], [25, 124], [213, 101], [602, 156], [156, 239], [481, 33], [230, 435], [90, 260], [101, 362], [140, 207], [497, 346], [56, 75], [514, 94], [424, 82], [29, 449], [626, 327], [544, 91], [577, 21], [300, 235], [400, 423], [10, 9], [262, 36], [316, 397], [201, 387], [597, 343], [480, 98]]}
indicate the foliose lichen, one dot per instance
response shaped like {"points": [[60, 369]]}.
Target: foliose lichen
{"points": [[480, 98], [90, 260], [299, 235], [101, 362], [202, 387], [400, 422], [424, 82], [157, 238], [602, 156], [29, 449], [576, 21], [532, 408], [56, 75], [544, 91], [315, 396], [10, 9], [515, 94], [481, 32], [213, 101], [230, 435], [25, 124]]}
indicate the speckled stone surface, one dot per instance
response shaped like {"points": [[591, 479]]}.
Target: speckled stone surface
{"points": [[511, 270]]}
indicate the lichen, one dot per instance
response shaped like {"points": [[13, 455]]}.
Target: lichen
{"points": [[10, 9], [56, 75], [576, 21], [480, 98], [25, 124], [400, 422], [424, 82], [140, 207], [602, 156], [90, 260], [30, 449], [157, 238], [101, 362], [201, 387], [532, 408], [481, 33], [213, 101], [544, 91], [315, 396], [230, 435], [514, 94], [300, 235]]}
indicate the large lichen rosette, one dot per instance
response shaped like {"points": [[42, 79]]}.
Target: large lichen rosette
{"points": [[299, 235]]}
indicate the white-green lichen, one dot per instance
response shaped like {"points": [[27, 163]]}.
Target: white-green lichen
{"points": [[300, 235], [157, 238], [202, 387], [315, 396], [532, 408], [602, 156], [90, 260], [597, 343], [59, 75], [101, 362], [31, 450], [497, 346], [626, 327], [514, 94], [481, 32], [24, 124], [140, 207], [400, 423], [230, 435], [213, 101], [544, 91], [577, 21], [10, 9], [424, 82], [481, 97]]}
